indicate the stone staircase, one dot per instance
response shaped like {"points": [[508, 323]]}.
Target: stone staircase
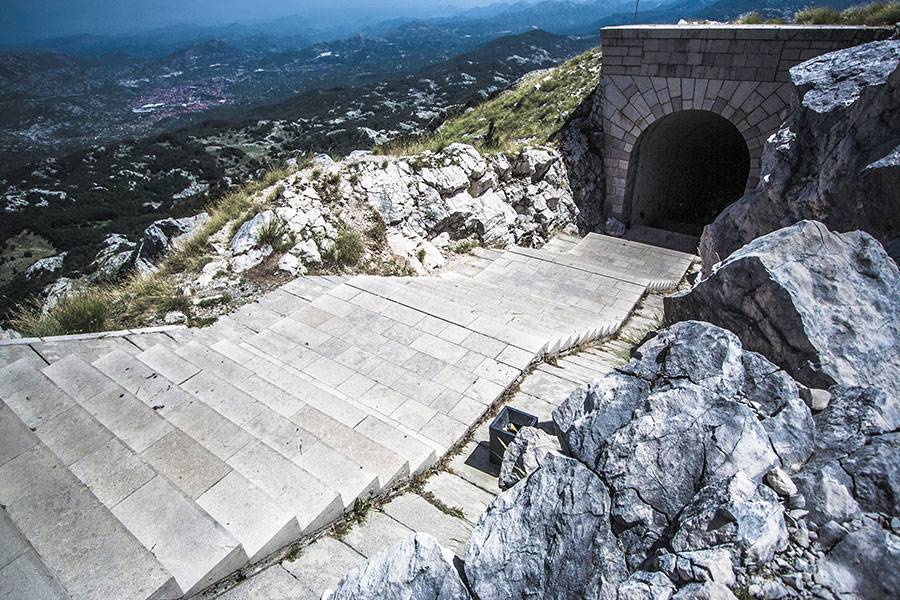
{"points": [[152, 464]]}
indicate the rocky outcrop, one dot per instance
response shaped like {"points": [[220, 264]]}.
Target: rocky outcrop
{"points": [[697, 470], [581, 145], [417, 569], [519, 199], [115, 257], [9, 334], [539, 540], [822, 305], [45, 266], [692, 406], [162, 236], [836, 158], [524, 455]]}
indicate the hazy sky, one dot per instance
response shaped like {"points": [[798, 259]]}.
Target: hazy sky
{"points": [[33, 19]]}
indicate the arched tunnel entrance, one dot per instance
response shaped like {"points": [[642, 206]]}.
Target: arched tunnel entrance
{"points": [[684, 169]]}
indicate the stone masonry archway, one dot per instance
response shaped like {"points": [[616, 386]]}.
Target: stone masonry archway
{"points": [[685, 168], [736, 75]]}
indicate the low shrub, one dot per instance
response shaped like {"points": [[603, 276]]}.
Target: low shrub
{"points": [[348, 248], [874, 14], [87, 312]]}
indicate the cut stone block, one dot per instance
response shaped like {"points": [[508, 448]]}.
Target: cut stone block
{"points": [[418, 514], [26, 578], [168, 364], [458, 493], [81, 543], [377, 533], [189, 543], [375, 458], [187, 464], [352, 481], [290, 486], [275, 583], [261, 525]]}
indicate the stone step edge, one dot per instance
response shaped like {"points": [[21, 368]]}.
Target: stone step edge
{"points": [[91, 336]]}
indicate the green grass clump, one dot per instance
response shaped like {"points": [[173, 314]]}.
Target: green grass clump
{"points": [[88, 312], [754, 18], [102, 308], [348, 248], [276, 233], [530, 113], [238, 206], [874, 14]]}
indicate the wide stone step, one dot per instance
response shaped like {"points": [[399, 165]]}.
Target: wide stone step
{"points": [[210, 439], [336, 418], [543, 316], [82, 544], [359, 468], [452, 312], [663, 267], [508, 313], [560, 243], [146, 474]]}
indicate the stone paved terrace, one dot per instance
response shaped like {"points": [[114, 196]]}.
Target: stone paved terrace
{"points": [[154, 464]]}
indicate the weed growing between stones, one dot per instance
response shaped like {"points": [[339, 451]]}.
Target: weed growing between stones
{"points": [[357, 516]]}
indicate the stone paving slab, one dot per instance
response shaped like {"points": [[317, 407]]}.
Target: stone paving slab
{"points": [[377, 533], [416, 513], [322, 564], [274, 583], [456, 492]]}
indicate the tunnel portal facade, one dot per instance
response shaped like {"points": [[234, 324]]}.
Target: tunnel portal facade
{"points": [[687, 110]]}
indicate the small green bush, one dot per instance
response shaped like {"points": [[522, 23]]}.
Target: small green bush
{"points": [[754, 18], [874, 14], [348, 248], [821, 15]]}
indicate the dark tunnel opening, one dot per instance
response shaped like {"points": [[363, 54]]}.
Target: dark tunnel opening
{"points": [[684, 169]]}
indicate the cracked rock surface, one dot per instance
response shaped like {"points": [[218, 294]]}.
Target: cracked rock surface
{"points": [[822, 305], [836, 158]]}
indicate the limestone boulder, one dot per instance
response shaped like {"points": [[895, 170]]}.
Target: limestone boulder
{"points": [[822, 305], [690, 408], [855, 464], [45, 266], [416, 569], [737, 513], [524, 455], [646, 585], [864, 564], [163, 236], [116, 255], [835, 159], [245, 238], [9, 334], [547, 537]]}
